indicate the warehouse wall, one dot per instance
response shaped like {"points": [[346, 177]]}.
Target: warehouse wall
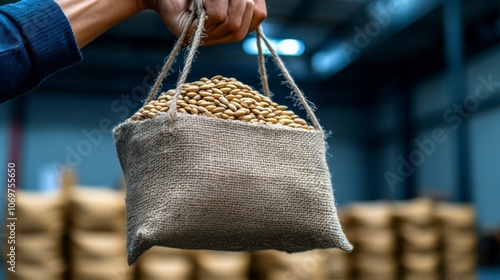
{"points": [[347, 152], [385, 142], [69, 131], [438, 172], [435, 120], [485, 132], [434, 109]]}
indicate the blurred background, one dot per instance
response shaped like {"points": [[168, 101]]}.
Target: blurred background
{"points": [[410, 90]]}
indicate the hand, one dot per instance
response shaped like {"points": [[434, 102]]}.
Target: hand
{"points": [[228, 20]]}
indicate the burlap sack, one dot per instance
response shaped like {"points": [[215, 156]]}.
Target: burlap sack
{"points": [[105, 270], [423, 276], [196, 182], [371, 215], [337, 265], [38, 249], [95, 247], [456, 216], [375, 263], [273, 265], [420, 238], [172, 269], [224, 265], [421, 261], [376, 276], [53, 269], [374, 240], [419, 211], [168, 268], [160, 263], [39, 212], [98, 208], [199, 187]]}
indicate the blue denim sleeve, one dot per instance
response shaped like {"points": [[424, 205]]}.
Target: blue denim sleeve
{"points": [[36, 40]]}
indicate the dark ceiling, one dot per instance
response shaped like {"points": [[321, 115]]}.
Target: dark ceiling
{"points": [[409, 47]]}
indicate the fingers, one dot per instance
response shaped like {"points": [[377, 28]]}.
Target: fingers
{"points": [[235, 25], [175, 14], [231, 20], [259, 14], [228, 20], [217, 11]]}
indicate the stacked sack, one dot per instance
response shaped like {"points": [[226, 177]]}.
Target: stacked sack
{"points": [[419, 239], [337, 262], [372, 234], [217, 265], [337, 265], [274, 265], [39, 232], [459, 240], [160, 263], [97, 235], [327, 264]]}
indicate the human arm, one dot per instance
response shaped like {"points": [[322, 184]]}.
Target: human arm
{"points": [[35, 41], [40, 37], [228, 20]]}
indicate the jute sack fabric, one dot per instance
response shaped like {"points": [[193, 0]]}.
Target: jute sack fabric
{"points": [[223, 265], [40, 213], [95, 247], [214, 185], [105, 270], [160, 263], [97, 208], [195, 182], [38, 249], [53, 270]]}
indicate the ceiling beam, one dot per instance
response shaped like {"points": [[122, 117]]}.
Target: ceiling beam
{"points": [[379, 20]]}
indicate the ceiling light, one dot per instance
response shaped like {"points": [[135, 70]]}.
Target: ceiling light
{"points": [[329, 62], [285, 47]]}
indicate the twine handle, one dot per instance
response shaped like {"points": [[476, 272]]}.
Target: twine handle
{"points": [[262, 64], [175, 51], [196, 41], [298, 93], [200, 13]]}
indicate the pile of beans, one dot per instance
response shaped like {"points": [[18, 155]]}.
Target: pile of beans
{"points": [[224, 98]]}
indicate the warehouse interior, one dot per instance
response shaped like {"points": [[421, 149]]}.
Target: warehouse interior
{"points": [[409, 91]]}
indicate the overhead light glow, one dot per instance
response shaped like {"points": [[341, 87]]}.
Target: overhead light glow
{"points": [[329, 62], [285, 47]]}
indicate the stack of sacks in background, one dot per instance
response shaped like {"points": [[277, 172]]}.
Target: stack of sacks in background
{"points": [[214, 265], [337, 262], [274, 265], [160, 263], [459, 240], [336, 265], [371, 231], [329, 264], [419, 240], [97, 235], [39, 233]]}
